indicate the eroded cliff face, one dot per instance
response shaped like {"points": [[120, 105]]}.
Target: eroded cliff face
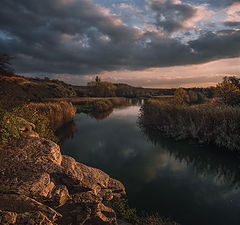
{"points": [[39, 185]]}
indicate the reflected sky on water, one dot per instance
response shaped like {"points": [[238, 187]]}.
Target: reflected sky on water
{"points": [[192, 184]]}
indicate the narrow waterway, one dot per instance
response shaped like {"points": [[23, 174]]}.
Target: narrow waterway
{"points": [[191, 184]]}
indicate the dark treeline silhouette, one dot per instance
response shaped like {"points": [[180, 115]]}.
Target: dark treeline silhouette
{"points": [[5, 65], [99, 88]]}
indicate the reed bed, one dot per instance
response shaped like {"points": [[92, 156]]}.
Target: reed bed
{"points": [[58, 113], [205, 123]]}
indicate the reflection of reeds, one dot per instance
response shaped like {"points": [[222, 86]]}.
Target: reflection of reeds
{"points": [[66, 132], [58, 113], [223, 167], [205, 123], [100, 115]]}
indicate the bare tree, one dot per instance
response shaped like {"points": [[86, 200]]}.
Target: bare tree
{"points": [[5, 65]]}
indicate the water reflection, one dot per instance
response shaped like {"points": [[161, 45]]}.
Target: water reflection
{"points": [[204, 160], [100, 116], [66, 132], [186, 182]]}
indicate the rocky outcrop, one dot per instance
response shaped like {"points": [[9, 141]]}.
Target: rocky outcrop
{"points": [[39, 185]]}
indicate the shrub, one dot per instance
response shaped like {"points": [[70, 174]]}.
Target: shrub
{"points": [[10, 126], [38, 118], [229, 90], [180, 97]]}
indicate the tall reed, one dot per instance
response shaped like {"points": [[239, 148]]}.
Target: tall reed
{"points": [[205, 123], [58, 113]]}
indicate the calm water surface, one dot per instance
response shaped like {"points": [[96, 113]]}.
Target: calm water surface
{"points": [[183, 181]]}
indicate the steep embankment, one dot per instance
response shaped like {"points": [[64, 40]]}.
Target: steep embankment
{"points": [[39, 185]]}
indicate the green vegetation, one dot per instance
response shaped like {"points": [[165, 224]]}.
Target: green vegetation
{"points": [[131, 215], [10, 126]]}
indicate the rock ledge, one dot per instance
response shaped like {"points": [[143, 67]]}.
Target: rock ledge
{"points": [[39, 185]]}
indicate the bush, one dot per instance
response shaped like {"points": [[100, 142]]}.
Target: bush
{"points": [[10, 126], [180, 97], [229, 90], [38, 118]]}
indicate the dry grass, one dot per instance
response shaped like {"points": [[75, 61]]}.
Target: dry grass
{"points": [[58, 113], [82, 100], [205, 123], [89, 104]]}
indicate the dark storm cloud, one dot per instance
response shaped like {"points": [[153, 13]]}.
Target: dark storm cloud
{"points": [[232, 24], [170, 16], [78, 37], [214, 3], [216, 45]]}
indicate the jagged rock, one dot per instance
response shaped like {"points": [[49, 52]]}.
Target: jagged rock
{"points": [[106, 194], [33, 219], [8, 218], [88, 198], [39, 186], [34, 174], [59, 195], [74, 214], [117, 187], [40, 150], [20, 204], [102, 215], [27, 128]]}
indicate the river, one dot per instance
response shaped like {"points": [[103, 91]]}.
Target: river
{"points": [[192, 184]]}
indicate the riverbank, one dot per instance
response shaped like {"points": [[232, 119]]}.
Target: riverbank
{"points": [[205, 123], [47, 118], [93, 105], [58, 113]]}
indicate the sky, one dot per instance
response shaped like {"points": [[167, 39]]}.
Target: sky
{"points": [[148, 43]]}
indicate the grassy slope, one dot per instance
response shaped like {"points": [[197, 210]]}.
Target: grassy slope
{"points": [[20, 88]]}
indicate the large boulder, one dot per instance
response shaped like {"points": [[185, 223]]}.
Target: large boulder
{"points": [[39, 185]]}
